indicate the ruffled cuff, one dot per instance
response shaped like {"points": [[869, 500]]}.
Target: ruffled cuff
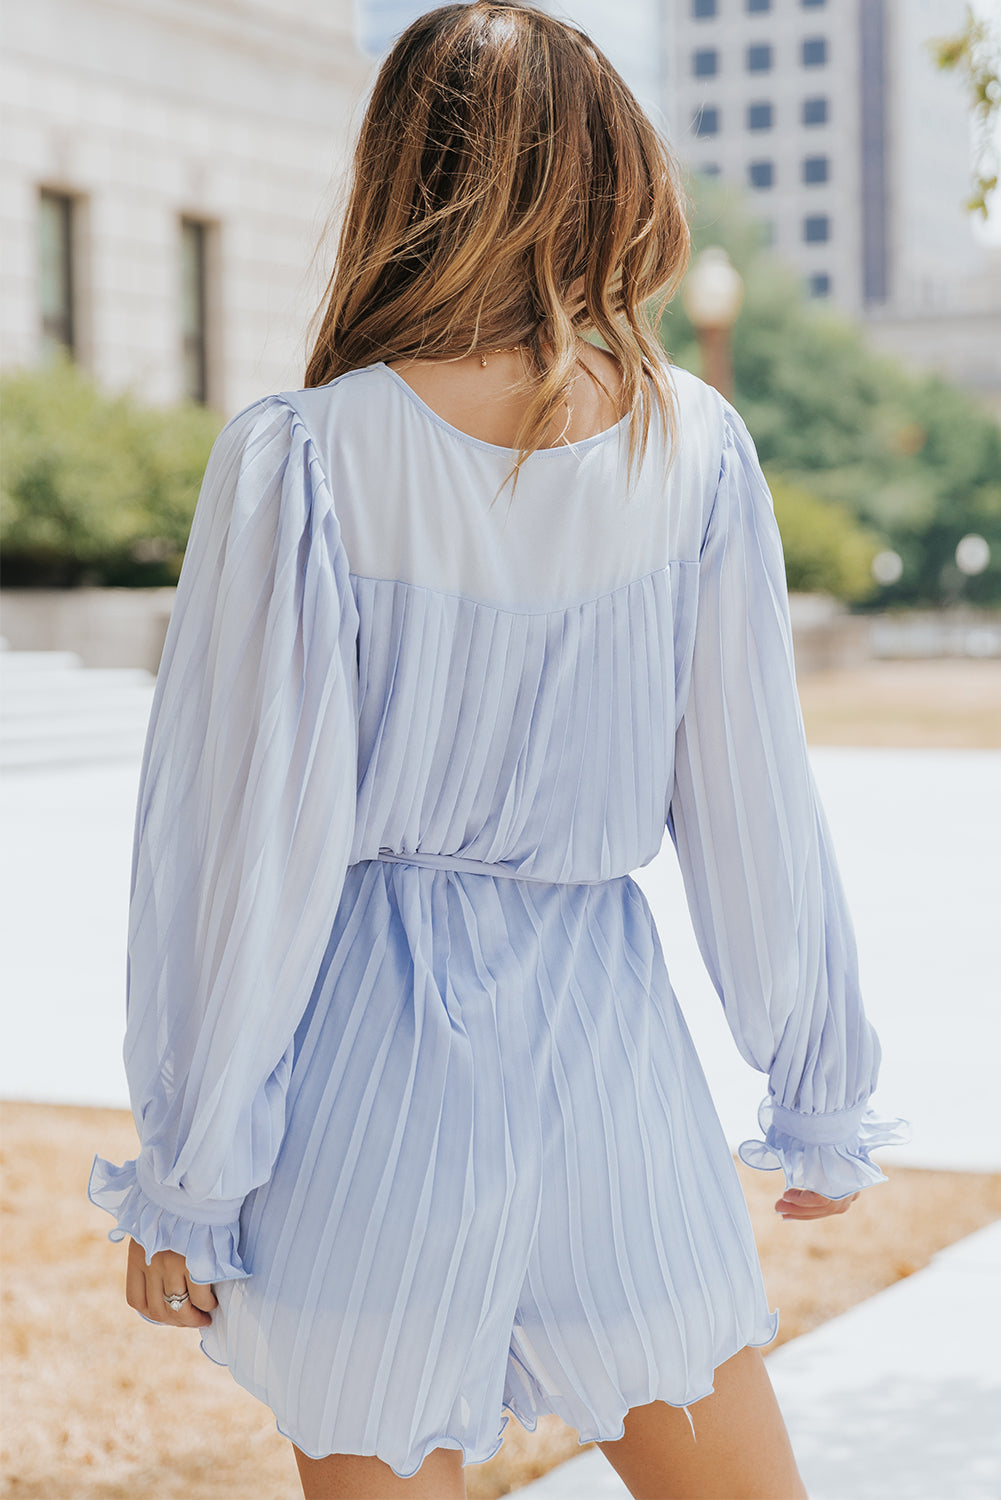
{"points": [[823, 1153], [208, 1244]]}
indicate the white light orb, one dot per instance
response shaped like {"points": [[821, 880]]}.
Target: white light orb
{"points": [[713, 292], [973, 554], [887, 568]]}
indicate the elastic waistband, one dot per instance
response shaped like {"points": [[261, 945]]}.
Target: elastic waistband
{"points": [[474, 867]]}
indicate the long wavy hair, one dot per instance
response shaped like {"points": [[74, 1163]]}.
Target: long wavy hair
{"points": [[507, 188]]}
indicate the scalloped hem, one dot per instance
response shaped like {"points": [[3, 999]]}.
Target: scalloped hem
{"points": [[529, 1423], [445, 1441], [616, 1437], [436, 1442], [210, 1250], [836, 1170]]}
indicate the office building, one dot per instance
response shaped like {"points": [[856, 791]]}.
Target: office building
{"points": [[854, 151]]}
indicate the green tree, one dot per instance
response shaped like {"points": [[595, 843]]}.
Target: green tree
{"points": [[826, 550], [913, 458]]}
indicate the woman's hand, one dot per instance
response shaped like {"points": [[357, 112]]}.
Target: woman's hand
{"points": [[147, 1285], [800, 1203]]}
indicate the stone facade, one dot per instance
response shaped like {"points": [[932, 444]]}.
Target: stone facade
{"points": [[234, 114], [237, 116]]}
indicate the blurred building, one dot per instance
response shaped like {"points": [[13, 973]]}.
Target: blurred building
{"points": [[169, 167], [855, 153], [167, 170]]}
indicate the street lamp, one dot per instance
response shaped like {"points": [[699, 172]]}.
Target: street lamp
{"points": [[712, 297], [973, 555]]}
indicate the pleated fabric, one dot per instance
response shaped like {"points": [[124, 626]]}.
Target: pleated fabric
{"points": [[412, 1086]]}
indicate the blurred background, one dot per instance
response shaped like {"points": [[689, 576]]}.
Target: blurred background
{"points": [[171, 175]]}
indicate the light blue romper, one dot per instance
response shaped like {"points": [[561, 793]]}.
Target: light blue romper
{"points": [[411, 1084]]}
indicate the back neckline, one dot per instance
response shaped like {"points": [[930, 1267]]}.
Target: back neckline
{"points": [[580, 446]]}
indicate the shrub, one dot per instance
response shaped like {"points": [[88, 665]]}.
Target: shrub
{"points": [[95, 488], [826, 549]]}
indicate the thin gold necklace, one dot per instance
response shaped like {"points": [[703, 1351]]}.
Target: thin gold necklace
{"points": [[509, 348]]}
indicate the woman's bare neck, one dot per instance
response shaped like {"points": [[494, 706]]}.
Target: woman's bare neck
{"points": [[485, 402]]}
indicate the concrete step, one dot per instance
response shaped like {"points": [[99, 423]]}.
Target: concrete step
{"points": [[95, 750], [41, 661], [57, 728], [25, 681], [54, 712], [75, 702]]}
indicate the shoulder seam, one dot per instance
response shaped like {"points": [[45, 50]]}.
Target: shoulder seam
{"points": [[725, 442], [305, 390], [260, 403]]}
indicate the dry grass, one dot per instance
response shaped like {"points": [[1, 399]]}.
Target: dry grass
{"points": [[912, 704], [101, 1406]]}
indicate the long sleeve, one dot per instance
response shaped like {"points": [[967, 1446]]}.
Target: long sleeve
{"points": [[243, 829], [760, 875]]}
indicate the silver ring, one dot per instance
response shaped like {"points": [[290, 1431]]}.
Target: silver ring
{"points": [[176, 1300]]}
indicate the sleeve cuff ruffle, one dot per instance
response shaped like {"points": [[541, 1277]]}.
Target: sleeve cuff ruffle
{"points": [[823, 1153], [209, 1248]]}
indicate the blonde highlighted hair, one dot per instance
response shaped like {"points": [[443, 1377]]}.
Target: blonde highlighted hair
{"points": [[507, 188]]}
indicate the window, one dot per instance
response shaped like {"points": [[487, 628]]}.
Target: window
{"points": [[706, 122], [816, 169], [708, 169], [819, 284], [759, 117], [194, 309], [761, 174], [703, 10], [705, 63], [813, 52], [812, 4], [55, 271], [816, 229], [757, 7], [759, 58], [814, 111]]}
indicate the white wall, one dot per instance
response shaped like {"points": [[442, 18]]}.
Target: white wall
{"points": [[236, 112]]}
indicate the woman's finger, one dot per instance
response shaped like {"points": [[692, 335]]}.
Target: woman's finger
{"points": [[800, 1203], [202, 1295], [166, 1275], [157, 1290], [135, 1277], [156, 1307]]}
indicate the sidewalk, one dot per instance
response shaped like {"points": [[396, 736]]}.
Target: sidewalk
{"points": [[900, 1396]]}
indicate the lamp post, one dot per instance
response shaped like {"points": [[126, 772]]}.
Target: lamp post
{"points": [[712, 297]]}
